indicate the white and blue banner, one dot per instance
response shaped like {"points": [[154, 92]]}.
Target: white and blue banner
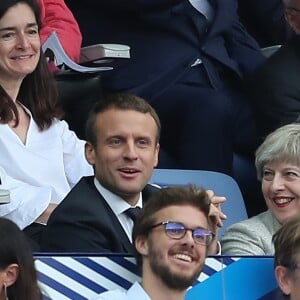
{"points": [[83, 277]]}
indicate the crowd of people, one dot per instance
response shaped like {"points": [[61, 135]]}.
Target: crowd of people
{"points": [[188, 60], [185, 91], [122, 145]]}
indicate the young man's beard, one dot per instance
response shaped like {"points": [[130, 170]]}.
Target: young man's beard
{"points": [[175, 281]]}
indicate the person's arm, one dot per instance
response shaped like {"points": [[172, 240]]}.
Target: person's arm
{"points": [[242, 239], [56, 16], [75, 163], [216, 217], [44, 217], [27, 202], [242, 47]]}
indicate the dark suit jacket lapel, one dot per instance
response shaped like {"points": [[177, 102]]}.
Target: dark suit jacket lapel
{"points": [[146, 193], [128, 247], [115, 224], [117, 228]]}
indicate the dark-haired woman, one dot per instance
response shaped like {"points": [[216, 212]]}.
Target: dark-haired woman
{"points": [[41, 159]]}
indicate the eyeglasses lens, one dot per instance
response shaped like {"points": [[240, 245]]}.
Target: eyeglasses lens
{"points": [[177, 231]]}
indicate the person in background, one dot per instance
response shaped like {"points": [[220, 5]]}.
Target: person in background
{"points": [[287, 259], [188, 59], [18, 277], [56, 16], [278, 167], [41, 159], [171, 236], [274, 86], [122, 133]]}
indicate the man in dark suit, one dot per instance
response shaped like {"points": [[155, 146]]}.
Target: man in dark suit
{"points": [[275, 85], [188, 59], [122, 144], [98, 214]]}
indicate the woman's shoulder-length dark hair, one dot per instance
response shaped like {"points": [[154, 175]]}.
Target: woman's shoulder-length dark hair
{"points": [[15, 249]]}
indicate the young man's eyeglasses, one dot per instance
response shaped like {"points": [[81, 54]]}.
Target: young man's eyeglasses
{"points": [[177, 231]]}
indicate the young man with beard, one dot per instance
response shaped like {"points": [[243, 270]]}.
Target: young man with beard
{"points": [[172, 237]]}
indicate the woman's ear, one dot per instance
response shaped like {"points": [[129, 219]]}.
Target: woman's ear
{"points": [[283, 279], [10, 274]]}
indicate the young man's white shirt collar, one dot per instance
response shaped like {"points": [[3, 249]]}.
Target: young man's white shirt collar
{"points": [[136, 292], [118, 206]]}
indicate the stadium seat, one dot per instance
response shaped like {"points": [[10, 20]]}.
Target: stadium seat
{"points": [[221, 184]]}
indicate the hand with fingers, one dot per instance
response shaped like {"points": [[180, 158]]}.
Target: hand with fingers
{"points": [[216, 217]]}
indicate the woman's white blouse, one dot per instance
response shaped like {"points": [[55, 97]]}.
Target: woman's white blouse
{"points": [[41, 171]]}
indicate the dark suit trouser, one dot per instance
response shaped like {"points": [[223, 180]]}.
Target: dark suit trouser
{"points": [[33, 233]]}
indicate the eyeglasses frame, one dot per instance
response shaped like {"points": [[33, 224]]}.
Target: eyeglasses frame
{"points": [[164, 223]]}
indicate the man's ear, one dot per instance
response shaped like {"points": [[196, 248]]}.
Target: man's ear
{"points": [[89, 153], [283, 279], [11, 274], [141, 245], [156, 155]]}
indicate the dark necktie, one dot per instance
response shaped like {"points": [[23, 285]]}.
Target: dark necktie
{"points": [[133, 212]]}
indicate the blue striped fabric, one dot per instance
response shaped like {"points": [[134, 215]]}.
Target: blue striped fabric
{"points": [[78, 278]]}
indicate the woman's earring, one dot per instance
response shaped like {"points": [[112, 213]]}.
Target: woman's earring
{"points": [[5, 291]]}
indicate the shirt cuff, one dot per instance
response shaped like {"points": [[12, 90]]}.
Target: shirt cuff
{"points": [[219, 248]]}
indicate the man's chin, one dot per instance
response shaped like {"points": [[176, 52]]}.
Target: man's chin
{"points": [[129, 194]]}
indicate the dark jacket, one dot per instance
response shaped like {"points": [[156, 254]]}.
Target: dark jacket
{"points": [[166, 37], [265, 21], [276, 88], [84, 222]]}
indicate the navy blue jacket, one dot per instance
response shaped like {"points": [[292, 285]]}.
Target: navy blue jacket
{"points": [[166, 37], [84, 222]]}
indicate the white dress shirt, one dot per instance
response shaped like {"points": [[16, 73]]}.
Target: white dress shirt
{"points": [[119, 206], [136, 292], [41, 171]]}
